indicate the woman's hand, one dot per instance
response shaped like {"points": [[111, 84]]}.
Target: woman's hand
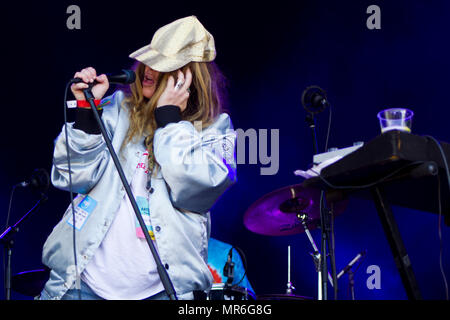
{"points": [[176, 94], [88, 75]]}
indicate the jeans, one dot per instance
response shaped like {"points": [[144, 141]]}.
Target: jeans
{"points": [[86, 293]]}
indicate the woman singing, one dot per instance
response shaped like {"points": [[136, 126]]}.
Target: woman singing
{"points": [[176, 148]]}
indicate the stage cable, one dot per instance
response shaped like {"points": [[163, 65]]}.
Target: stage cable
{"points": [[371, 184], [333, 257], [244, 261], [9, 206], [77, 279], [329, 129], [441, 245], [332, 246]]}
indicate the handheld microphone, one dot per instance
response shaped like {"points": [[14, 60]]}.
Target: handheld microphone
{"points": [[38, 181], [123, 77], [314, 99]]}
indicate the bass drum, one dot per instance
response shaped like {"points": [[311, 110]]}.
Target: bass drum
{"points": [[220, 291]]}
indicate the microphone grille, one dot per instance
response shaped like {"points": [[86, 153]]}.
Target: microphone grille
{"points": [[130, 76]]}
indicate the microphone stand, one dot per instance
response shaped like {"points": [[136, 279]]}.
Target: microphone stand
{"points": [[6, 238], [324, 224], [312, 125], [168, 286], [348, 270], [351, 282]]}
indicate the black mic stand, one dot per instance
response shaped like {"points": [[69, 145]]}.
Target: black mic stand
{"points": [[351, 275], [312, 125], [324, 223], [168, 286], [6, 238], [351, 282]]}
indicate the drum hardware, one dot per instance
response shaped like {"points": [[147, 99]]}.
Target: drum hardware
{"points": [[290, 287], [288, 211], [275, 214], [281, 297], [317, 256], [221, 291], [30, 283]]}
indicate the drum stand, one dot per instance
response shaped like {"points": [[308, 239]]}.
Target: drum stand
{"points": [[317, 256], [290, 287]]}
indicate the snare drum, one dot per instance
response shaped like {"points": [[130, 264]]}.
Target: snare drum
{"points": [[220, 291]]}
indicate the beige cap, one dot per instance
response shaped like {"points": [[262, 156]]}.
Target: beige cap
{"points": [[176, 44]]}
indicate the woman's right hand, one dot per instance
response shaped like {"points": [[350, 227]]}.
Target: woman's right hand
{"points": [[88, 75]]}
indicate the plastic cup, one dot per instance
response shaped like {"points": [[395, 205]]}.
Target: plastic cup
{"points": [[395, 119]]}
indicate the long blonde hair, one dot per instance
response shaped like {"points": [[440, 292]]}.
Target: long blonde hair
{"points": [[206, 101]]}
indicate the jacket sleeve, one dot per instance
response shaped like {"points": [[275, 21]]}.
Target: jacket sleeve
{"points": [[197, 166], [88, 152]]}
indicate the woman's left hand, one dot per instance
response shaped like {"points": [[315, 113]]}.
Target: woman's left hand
{"points": [[176, 93]]}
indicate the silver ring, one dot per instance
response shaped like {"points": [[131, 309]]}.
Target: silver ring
{"points": [[188, 90], [179, 85]]}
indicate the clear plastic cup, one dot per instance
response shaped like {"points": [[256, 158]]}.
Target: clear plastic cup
{"points": [[395, 119]]}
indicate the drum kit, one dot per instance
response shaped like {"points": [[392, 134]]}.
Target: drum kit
{"points": [[286, 211]]}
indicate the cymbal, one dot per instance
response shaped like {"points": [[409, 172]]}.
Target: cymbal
{"points": [[275, 214], [30, 283]]}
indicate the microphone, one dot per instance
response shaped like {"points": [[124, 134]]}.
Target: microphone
{"points": [[350, 265], [228, 269], [38, 181], [314, 99], [123, 77]]}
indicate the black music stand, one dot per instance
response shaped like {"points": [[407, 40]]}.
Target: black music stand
{"points": [[394, 168]]}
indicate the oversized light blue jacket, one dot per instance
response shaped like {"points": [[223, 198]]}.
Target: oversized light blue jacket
{"points": [[195, 168]]}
